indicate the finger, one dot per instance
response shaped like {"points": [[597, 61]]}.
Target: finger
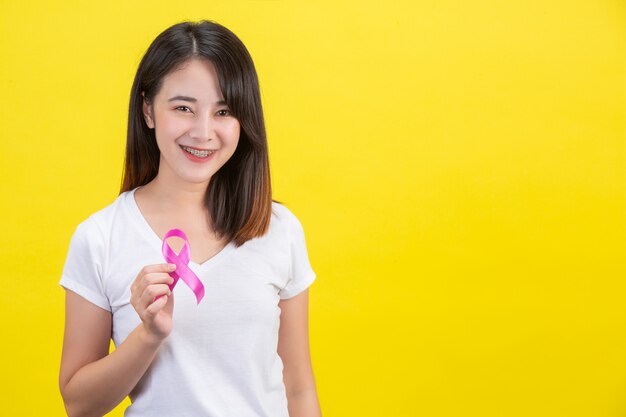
{"points": [[139, 288], [149, 295], [157, 268], [169, 306], [154, 291], [156, 278], [157, 305], [145, 277], [146, 281]]}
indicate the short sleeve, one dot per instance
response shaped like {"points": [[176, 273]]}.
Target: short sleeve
{"points": [[82, 272], [301, 274]]}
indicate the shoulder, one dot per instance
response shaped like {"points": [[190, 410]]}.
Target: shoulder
{"points": [[282, 216], [281, 212], [97, 226], [285, 220]]}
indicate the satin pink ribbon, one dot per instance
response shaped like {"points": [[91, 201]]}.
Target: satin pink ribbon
{"points": [[181, 261]]}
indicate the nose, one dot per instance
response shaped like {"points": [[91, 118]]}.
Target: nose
{"points": [[204, 127]]}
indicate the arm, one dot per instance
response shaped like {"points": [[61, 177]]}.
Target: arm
{"points": [[93, 382], [293, 348]]}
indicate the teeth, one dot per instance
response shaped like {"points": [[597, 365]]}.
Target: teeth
{"points": [[197, 153]]}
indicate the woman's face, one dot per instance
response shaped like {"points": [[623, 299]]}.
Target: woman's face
{"points": [[195, 131]]}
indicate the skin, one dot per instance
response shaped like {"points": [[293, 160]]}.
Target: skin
{"points": [[92, 381]]}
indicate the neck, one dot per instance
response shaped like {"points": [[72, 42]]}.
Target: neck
{"points": [[178, 196]]}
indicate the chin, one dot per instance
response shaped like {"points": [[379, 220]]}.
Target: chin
{"points": [[203, 180], [188, 178]]}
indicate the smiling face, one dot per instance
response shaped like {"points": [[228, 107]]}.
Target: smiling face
{"points": [[195, 131]]}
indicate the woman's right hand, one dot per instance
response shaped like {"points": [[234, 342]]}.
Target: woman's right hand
{"points": [[153, 300], [92, 381]]}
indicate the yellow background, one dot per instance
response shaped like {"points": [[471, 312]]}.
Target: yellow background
{"points": [[458, 166]]}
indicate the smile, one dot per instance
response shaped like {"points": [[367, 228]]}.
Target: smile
{"points": [[197, 152]]}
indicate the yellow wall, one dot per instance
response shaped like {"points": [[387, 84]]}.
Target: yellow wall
{"points": [[458, 166]]}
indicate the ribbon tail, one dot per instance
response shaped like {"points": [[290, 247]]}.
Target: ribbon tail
{"points": [[190, 278], [193, 282]]}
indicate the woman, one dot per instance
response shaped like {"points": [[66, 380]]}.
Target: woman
{"points": [[196, 160]]}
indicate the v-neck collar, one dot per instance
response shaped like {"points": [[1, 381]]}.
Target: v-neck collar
{"points": [[151, 235]]}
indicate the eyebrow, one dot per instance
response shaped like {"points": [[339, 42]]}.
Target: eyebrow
{"points": [[191, 99]]}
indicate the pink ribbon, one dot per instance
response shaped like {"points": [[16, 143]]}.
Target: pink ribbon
{"points": [[181, 261]]}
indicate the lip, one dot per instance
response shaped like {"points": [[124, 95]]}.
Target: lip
{"points": [[198, 159]]}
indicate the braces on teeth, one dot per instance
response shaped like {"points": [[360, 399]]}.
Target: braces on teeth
{"points": [[196, 152]]}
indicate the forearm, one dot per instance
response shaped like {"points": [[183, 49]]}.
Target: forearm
{"points": [[98, 387], [304, 404]]}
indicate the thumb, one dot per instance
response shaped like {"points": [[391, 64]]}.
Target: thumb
{"points": [[169, 306]]}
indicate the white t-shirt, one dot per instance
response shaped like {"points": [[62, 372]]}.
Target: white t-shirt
{"points": [[221, 358]]}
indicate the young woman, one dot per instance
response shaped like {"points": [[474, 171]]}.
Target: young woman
{"points": [[196, 160]]}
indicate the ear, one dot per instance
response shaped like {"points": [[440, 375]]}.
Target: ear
{"points": [[147, 111]]}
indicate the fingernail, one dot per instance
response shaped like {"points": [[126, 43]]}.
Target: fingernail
{"points": [[172, 267]]}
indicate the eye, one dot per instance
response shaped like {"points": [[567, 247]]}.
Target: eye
{"points": [[184, 107], [224, 112]]}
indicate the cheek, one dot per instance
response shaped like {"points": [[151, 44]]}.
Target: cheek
{"points": [[170, 126], [228, 132], [234, 131]]}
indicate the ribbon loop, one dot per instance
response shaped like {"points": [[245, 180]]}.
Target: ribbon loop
{"points": [[181, 261]]}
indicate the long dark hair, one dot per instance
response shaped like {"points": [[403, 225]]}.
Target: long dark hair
{"points": [[239, 195]]}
